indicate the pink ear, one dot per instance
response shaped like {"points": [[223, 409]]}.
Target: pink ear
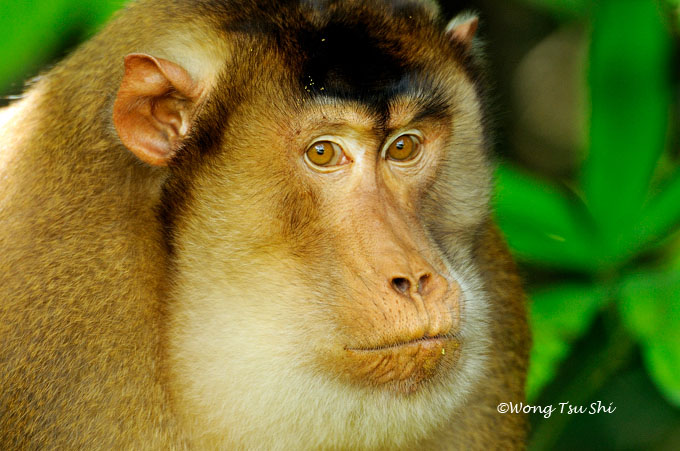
{"points": [[155, 107], [462, 30]]}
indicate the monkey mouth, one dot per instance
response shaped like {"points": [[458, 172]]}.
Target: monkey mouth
{"points": [[402, 366], [428, 341]]}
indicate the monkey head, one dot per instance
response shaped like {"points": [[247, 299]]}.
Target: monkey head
{"points": [[327, 184]]}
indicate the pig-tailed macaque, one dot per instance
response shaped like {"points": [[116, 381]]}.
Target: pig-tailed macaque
{"points": [[257, 225]]}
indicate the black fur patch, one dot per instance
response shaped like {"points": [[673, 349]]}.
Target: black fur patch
{"points": [[345, 61], [349, 51]]}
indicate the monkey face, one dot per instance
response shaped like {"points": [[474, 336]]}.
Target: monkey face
{"points": [[335, 216], [397, 306]]}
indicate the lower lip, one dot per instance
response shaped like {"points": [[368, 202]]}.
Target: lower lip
{"points": [[426, 342], [402, 367]]}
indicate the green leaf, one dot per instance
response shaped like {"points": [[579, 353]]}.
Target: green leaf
{"points": [[546, 354], [661, 214], [650, 308], [630, 92], [662, 358], [559, 315], [650, 303], [541, 223]]}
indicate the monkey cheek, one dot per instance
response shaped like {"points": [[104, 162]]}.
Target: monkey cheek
{"points": [[402, 368]]}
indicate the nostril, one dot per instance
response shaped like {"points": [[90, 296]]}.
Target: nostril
{"points": [[422, 283], [401, 284]]}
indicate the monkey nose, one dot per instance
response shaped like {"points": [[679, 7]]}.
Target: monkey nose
{"points": [[426, 284], [403, 284], [433, 297]]}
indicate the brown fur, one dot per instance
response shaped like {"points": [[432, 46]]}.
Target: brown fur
{"points": [[509, 356], [107, 262]]}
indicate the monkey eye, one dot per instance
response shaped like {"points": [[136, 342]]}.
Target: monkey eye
{"points": [[325, 154], [405, 147]]}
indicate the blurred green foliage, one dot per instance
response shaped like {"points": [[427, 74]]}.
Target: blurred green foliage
{"points": [[618, 211], [34, 30], [610, 234], [617, 226]]}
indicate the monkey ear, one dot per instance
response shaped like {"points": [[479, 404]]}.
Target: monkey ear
{"points": [[462, 29], [155, 106]]}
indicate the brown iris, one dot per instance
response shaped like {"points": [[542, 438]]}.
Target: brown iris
{"points": [[404, 148], [324, 153]]}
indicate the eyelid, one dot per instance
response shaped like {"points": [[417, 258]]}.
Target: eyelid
{"points": [[338, 144], [397, 135]]}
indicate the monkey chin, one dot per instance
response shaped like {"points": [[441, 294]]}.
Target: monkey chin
{"points": [[402, 368]]}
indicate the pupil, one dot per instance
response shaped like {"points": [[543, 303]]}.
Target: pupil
{"points": [[400, 144], [320, 149]]}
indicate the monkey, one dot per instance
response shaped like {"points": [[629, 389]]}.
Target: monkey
{"points": [[252, 224]]}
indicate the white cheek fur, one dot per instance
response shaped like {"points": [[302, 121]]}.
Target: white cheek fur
{"points": [[235, 390]]}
